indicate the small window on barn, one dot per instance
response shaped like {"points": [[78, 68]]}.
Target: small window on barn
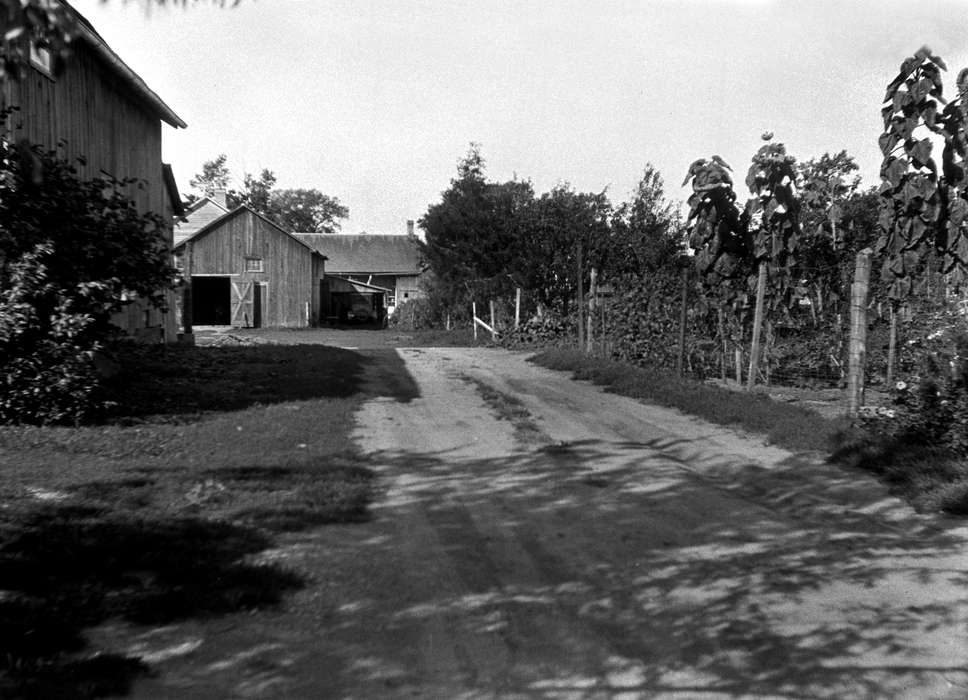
{"points": [[40, 59], [254, 265], [406, 295]]}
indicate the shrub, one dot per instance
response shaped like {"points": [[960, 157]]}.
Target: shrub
{"points": [[547, 330], [71, 253]]}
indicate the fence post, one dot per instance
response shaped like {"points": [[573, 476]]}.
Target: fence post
{"points": [[580, 299], [474, 318], [683, 315], [858, 332], [448, 320], [891, 348], [592, 295], [517, 307], [722, 335], [757, 324], [188, 321], [738, 357], [493, 323]]}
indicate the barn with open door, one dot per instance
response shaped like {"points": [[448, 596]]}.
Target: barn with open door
{"points": [[248, 272]]}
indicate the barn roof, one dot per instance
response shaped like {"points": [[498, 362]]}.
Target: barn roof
{"points": [[89, 35], [371, 254], [218, 221]]}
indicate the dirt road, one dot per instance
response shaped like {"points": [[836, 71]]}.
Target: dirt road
{"points": [[538, 538]]}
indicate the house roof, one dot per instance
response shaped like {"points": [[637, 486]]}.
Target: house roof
{"points": [[199, 214], [227, 216], [89, 35], [371, 254]]}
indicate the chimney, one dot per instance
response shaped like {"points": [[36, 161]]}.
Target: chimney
{"points": [[218, 196], [409, 227]]}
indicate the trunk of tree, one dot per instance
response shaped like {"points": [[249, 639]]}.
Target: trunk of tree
{"points": [[580, 299], [858, 333]]}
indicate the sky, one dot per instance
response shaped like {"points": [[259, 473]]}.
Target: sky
{"points": [[375, 102]]}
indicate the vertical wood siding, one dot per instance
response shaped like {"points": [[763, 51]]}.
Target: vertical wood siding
{"points": [[288, 265], [89, 112]]}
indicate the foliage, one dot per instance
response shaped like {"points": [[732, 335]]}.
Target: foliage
{"points": [[71, 253], [419, 313], [214, 176], [645, 231], [473, 236], [546, 330], [306, 210], [302, 210], [922, 208]]}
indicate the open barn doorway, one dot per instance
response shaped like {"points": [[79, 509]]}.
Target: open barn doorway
{"points": [[211, 301]]}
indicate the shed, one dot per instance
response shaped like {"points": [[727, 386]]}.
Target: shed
{"points": [[247, 271], [388, 261]]}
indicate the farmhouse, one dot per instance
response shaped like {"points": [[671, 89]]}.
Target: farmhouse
{"points": [[101, 110], [247, 271], [390, 263]]}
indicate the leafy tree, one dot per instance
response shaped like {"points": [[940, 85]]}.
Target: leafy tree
{"points": [[214, 176], [645, 231], [255, 192], [71, 252], [473, 235], [306, 210]]}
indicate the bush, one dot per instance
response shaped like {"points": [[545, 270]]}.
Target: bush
{"points": [[71, 252], [547, 330]]}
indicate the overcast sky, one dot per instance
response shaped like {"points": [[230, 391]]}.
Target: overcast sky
{"points": [[375, 102]]}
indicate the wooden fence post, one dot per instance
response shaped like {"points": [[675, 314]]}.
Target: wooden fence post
{"points": [[517, 307], [683, 315], [757, 324], [448, 320], [858, 332], [891, 348], [722, 336], [188, 321], [580, 299], [474, 318], [592, 295], [738, 357], [493, 323]]}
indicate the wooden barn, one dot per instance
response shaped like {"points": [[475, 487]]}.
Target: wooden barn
{"points": [[246, 271], [102, 110]]}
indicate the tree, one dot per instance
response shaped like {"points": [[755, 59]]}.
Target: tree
{"points": [[645, 231], [71, 253], [306, 210], [214, 176], [473, 235], [256, 192]]}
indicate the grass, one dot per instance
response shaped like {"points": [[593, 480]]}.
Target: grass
{"points": [[792, 427], [928, 478], [158, 512]]}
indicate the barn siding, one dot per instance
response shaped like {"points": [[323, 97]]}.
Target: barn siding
{"points": [[288, 265], [89, 112]]}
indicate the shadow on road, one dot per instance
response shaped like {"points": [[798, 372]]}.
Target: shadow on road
{"points": [[591, 568]]}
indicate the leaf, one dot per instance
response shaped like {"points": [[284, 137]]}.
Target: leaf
{"points": [[921, 152], [887, 142]]}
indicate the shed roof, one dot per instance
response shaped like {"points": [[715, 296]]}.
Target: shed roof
{"points": [[372, 254], [218, 221], [89, 35]]}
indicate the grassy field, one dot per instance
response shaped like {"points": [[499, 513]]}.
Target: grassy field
{"points": [[207, 456]]}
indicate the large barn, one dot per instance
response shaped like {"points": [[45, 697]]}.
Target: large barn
{"points": [[99, 109], [247, 271]]}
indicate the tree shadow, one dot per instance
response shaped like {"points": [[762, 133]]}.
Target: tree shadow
{"points": [[595, 568], [178, 384], [150, 548]]}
